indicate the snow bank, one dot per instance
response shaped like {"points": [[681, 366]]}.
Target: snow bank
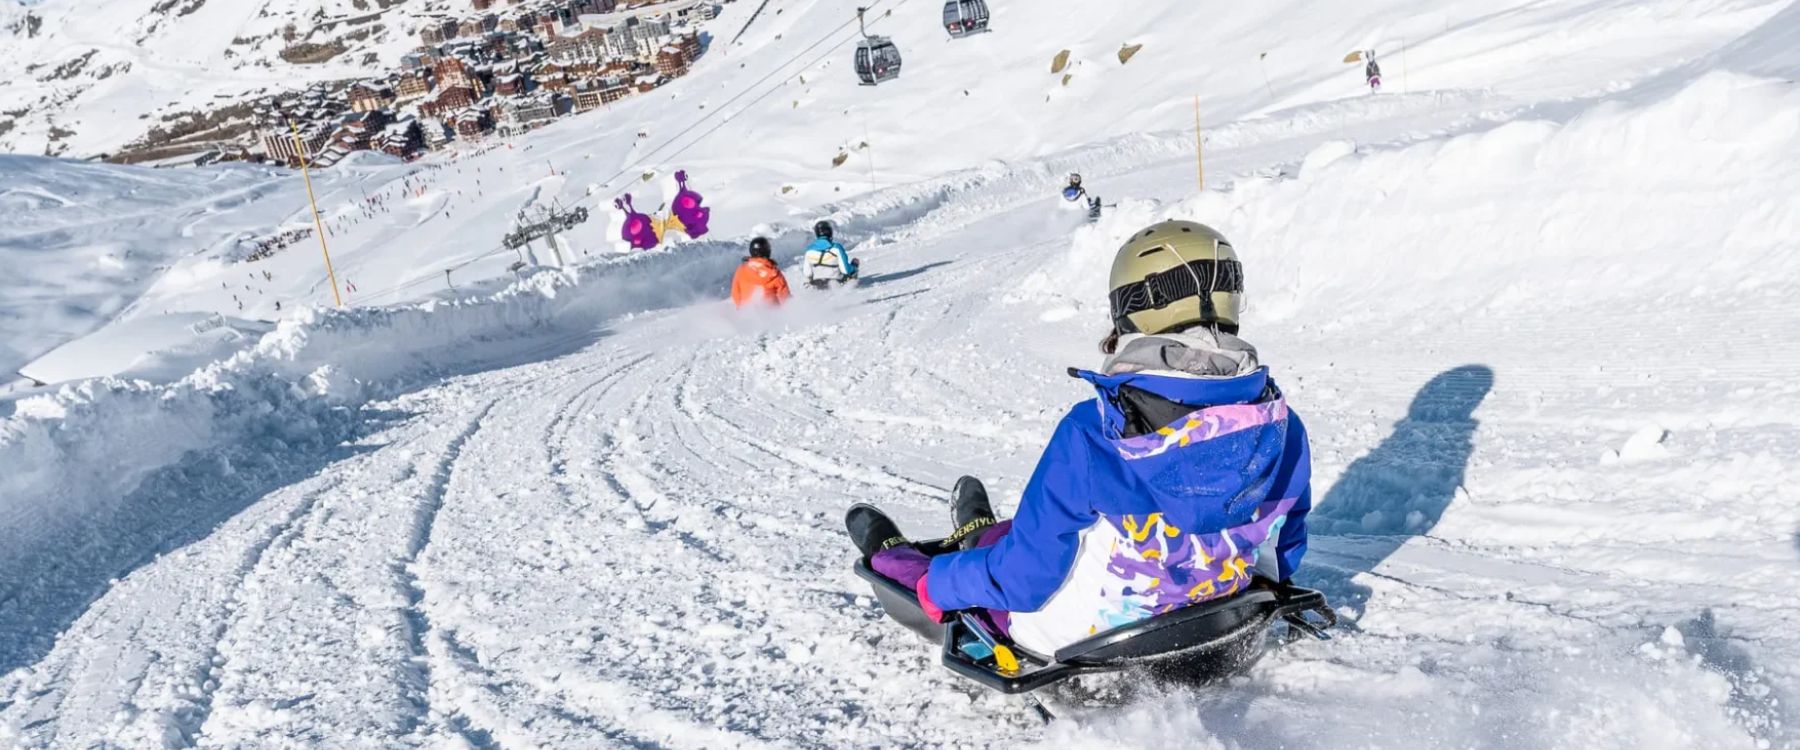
{"points": [[298, 385], [158, 348], [80, 457], [1681, 200]]}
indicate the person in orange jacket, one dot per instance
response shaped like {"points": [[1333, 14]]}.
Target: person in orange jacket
{"points": [[759, 278]]}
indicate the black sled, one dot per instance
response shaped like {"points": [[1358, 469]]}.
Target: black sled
{"points": [[1194, 645], [824, 284]]}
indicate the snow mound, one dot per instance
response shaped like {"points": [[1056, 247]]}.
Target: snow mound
{"points": [[1644, 445], [295, 393], [1620, 202]]}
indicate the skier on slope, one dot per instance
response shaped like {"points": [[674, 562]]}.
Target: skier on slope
{"points": [[1372, 72], [1153, 496], [827, 260], [1073, 191], [758, 279], [1076, 196]]}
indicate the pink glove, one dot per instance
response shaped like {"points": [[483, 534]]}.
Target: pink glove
{"points": [[931, 608], [903, 562]]}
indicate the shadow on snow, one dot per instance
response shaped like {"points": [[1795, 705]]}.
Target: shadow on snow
{"points": [[1400, 489], [884, 278]]}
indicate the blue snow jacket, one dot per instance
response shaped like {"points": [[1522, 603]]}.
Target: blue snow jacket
{"points": [[1124, 519], [828, 252]]}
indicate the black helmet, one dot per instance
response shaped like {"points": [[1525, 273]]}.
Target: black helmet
{"points": [[759, 247], [1074, 178], [822, 229]]}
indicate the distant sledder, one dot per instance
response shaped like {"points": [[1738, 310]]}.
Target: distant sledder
{"points": [[1136, 541], [1076, 196], [827, 261], [1074, 192]]}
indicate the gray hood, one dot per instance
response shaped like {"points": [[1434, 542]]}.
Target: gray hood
{"points": [[1196, 353]]}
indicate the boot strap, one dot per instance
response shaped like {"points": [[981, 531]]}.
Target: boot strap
{"points": [[967, 529]]}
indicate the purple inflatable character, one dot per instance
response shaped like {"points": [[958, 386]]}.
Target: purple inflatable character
{"points": [[639, 230], [687, 208]]}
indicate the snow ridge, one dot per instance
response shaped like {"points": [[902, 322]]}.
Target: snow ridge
{"points": [[298, 391], [419, 630]]}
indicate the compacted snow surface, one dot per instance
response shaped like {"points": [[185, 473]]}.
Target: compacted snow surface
{"points": [[1536, 302]]}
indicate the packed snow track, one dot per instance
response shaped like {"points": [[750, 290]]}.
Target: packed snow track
{"points": [[637, 544]]}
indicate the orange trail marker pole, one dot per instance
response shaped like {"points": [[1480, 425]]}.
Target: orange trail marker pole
{"points": [[1199, 147], [318, 223]]}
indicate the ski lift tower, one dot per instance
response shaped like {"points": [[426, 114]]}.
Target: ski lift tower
{"points": [[550, 221]]}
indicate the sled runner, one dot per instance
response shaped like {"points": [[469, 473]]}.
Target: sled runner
{"points": [[1196, 644], [824, 283]]}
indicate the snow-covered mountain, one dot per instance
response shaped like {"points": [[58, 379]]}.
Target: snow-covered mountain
{"points": [[1534, 300], [82, 78]]}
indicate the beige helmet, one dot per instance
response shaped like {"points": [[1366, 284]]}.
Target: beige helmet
{"points": [[1174, 275]]}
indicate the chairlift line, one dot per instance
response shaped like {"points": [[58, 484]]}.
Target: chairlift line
{"points": [[641, 161]]}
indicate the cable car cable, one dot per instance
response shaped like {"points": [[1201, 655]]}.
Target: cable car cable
{"points": [[746, 91]]}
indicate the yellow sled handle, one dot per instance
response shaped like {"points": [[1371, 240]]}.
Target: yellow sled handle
{"points": [[1005, 661]]}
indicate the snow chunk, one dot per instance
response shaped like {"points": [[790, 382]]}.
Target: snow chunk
{"points": [[1644, 445]]}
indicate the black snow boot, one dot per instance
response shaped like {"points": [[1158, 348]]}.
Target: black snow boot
{"points": [[970, 512], [871, 530]]}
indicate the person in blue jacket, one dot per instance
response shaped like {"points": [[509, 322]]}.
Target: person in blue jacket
{"points": [[1073, 191], [826, 259], [1154, 495]]}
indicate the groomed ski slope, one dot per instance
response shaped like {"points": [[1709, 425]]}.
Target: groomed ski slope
{"points": [[1546, 377], [98, 251]]}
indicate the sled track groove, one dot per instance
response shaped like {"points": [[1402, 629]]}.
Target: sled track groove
{"points": [[62, 697], [630, 468], [192, 724], [694, 439], [679, 399], [558, 429], [559, 436], [803, 458], [418, 623]]}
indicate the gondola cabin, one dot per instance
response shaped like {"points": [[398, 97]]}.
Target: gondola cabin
{"points": [[877, 60], [965, 17]]}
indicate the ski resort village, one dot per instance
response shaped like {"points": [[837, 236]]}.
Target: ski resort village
{"points": [[705, 374], [490, 73]]}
